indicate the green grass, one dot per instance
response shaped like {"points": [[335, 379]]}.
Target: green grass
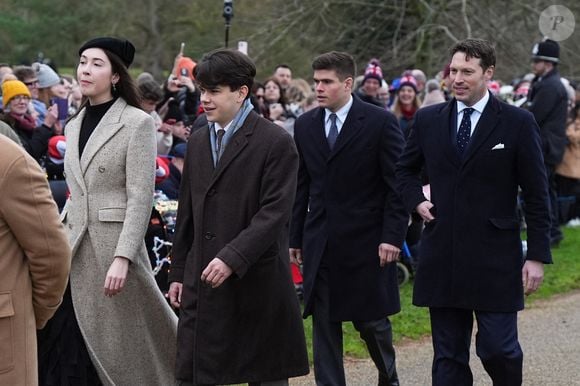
{"points": [[413, 322]]}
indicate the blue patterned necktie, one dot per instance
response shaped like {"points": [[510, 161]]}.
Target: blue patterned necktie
{"points": [[219, 139], [464, 132], [333, 132]]}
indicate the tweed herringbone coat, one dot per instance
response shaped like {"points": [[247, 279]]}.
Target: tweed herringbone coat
{"points": [[131, 336]]}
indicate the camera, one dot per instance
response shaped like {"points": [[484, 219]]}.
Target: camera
{"points": [[228, 9]]}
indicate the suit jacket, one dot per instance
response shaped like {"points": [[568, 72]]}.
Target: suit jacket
{"points": [[106, 215], [249, 329], [34, 262], [346, 205], [471, 255]]}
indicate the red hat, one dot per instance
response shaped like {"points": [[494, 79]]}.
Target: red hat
{"points": [[57, 149], [185, 67], [161, 170]]}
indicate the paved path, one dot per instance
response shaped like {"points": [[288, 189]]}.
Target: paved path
{"points": [[549, 334]]}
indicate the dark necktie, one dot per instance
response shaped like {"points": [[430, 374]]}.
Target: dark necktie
{"points": [[219, 138], [464, 132], [333, 132]]}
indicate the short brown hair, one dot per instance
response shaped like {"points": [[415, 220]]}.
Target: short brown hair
{"points": [[341, 62], [476, 48]]}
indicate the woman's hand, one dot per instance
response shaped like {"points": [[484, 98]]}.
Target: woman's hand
{"points": [[116, 276]]}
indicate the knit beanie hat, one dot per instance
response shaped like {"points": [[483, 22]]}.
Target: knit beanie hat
{"points": [[408, 80], [57, 149], [374, 71], [185, 67], [12, 88], [46, 75]]}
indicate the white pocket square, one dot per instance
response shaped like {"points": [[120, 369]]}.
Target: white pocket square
{"points": [[498, 146]]}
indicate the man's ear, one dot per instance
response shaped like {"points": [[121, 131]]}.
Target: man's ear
{"points": [[348, 82], [489, 73], [243, 92]]}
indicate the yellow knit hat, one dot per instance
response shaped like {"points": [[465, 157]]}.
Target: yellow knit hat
{"points": [[12, 88]]}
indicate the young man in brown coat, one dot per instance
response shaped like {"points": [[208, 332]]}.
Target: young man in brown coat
{"points": [[34, 263], [230, 277]]}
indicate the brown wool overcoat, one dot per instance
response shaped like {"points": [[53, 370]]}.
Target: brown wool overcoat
{"points": [[249, 329], [34, 262], [130, 337]]}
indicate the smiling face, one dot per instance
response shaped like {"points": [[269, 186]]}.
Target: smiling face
{"points": [[95, 75], [19, 104], [221, 104], [331, 92], [407, 95], [468, 79]]}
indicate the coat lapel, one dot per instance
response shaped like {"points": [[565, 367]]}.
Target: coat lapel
{"points": [[72, 133], [352, 125], [105, 130], [236, 144], [446, 132], [318, 132], [486, 124]]}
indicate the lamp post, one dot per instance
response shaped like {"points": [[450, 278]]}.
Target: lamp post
{"points": [[228, 15]]}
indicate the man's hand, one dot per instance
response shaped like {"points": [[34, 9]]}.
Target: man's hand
{"points": [[388, 253], [116, 276], [174, 294], [424, 212], [295, 256], [532, 276], [216, 273]]}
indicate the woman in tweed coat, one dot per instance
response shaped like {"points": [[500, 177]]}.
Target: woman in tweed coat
{"points": [[127, 327]]}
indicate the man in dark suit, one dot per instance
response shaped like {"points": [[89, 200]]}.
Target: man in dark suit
{"points": [[476, 151], [348, 222], [239, 317]]}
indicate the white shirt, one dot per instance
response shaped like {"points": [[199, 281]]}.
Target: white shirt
{"points": [[475, 115], [218, 127], [340, 116]]}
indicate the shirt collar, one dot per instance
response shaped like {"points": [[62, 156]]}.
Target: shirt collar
{"points": [[225, 128], [479, 106], [341, 113]]}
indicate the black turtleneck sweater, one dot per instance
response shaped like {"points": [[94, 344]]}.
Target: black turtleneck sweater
{"points": [[93, 116]]}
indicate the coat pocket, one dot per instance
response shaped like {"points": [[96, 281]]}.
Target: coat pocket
{"points": [[505, 223], [6, 332], [112, 214]]}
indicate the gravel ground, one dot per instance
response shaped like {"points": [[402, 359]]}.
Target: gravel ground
{"points": [[550, 338]]}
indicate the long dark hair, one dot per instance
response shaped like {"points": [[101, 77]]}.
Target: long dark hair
{"points": [[125, 88]]}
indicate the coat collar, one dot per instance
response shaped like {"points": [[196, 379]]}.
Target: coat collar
{"points": [[352, 125], [107, 127], [236, 144], [486, 124]]}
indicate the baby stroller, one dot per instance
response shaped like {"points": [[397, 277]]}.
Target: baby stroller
{"points": [[405, 265]]}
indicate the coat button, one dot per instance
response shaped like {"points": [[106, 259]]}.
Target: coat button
{"points": [[64, 174], [211, 192], [82, 193], [101, 169], [209, 236]]}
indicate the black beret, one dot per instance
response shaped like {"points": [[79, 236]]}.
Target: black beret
{"points": [[124, 49]]}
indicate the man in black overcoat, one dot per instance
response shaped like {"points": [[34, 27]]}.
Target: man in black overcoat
{"points": [[348, 222], [477, 151]]}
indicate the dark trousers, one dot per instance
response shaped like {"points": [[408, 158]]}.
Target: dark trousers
{"points": [[496, 345], [327, 341]]}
